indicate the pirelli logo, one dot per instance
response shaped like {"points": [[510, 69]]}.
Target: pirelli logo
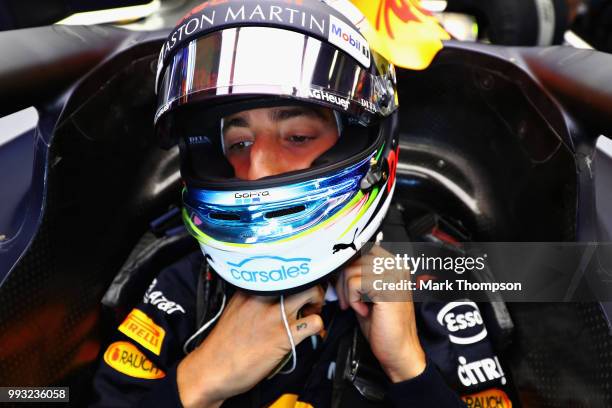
{"points": [[141, 328]]}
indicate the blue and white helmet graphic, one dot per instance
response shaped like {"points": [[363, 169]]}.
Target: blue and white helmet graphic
{"points": [[285, 231]]}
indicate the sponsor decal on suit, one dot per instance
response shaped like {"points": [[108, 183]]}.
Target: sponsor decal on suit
{"points": [[143, 330], [127, 359], [463, 322], [493, 398], [480, 371], [157, 299], [289, 401]]}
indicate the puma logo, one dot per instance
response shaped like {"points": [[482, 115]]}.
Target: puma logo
{"points": [[341, 246]]}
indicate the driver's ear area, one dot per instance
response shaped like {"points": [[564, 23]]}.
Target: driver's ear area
{"points": [[202, 158]]}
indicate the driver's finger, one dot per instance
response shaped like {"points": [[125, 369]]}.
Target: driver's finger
{"points": [[351, 271], [353, 292], [306, 327], [314, 296]]}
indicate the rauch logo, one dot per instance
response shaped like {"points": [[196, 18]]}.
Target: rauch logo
{"points": [[269, 268]]}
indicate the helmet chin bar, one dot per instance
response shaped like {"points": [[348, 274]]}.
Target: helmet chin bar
{"points": [[324, 281], [302, 263]]}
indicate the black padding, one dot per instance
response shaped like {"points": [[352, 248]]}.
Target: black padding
{"points": [[38, 62], [354, 140], [512, 22], [15, 14], [143, 265], [562, 71]]}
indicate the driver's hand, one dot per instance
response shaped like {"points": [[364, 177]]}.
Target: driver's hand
{"points": [[389, 327], [247, 343]]}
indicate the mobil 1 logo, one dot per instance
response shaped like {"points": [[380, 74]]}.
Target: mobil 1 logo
{"points": [[349, 40]]}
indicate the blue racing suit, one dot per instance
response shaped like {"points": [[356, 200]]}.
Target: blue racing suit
{"points": [[138, 366]]}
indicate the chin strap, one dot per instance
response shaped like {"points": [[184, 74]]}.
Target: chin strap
{"points": [[339, 124], [222, 124]]}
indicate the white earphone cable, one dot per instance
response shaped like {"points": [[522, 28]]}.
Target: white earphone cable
{"points": [[286, 323], [205, 326]]}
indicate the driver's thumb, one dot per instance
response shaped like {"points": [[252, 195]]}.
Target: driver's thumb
{"points": [[306, 327]]}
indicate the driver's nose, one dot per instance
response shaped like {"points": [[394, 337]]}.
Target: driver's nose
{"points": [[265, 158]]}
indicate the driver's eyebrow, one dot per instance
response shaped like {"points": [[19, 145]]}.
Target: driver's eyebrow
{"points": [[278, 115], [236, 121]]}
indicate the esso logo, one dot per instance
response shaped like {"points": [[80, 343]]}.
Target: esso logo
{"points": [[463, 322], [455, 322]]}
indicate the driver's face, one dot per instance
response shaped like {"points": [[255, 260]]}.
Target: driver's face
{"points": [[271, 141]]}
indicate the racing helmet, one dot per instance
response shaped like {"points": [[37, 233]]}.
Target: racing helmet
{"points": [[280, 233]]}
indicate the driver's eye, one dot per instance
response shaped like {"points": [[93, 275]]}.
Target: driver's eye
{"points": [[298, 139], [236, 147]]}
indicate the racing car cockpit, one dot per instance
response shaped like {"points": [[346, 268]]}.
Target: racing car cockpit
{"points": [[494, 143]]}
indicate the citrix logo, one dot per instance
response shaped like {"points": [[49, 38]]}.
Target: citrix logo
{"points": [[264, 269], [481, 371]]}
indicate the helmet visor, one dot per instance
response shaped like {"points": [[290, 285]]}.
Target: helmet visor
{"points": [[272, 61]]}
